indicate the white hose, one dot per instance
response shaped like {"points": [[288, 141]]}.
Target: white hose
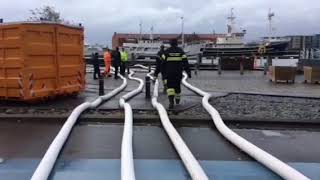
{"points": [[276, 165], [190, 162], [127, 166], [44, 168]]}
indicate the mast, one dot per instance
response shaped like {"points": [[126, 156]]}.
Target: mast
{"points": [[231, 23], [151, 33], [140, 30], [270, 16]]}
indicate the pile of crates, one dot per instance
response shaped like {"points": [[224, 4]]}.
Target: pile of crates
{"points": [[282, 73], [287, 74], [311, 74], [40, 60]]}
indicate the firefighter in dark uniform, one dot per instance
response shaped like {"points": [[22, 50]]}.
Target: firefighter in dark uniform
{"points": [[175, 61], [160, 68]]}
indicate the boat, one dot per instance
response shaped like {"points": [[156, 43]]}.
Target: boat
{"points": [[233, 43], [144, 49]]}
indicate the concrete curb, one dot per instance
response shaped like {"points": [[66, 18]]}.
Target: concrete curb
{"points": [[176, 119]]}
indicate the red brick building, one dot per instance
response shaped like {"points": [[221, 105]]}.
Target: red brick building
{"points": [[119, 38]]}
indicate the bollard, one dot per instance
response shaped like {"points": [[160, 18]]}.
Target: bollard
{"points": [[241, 66], [148, 84], [101, 86], [219, 65], [269, 60], [196, 69], [199, 58], [265, 68], [128, 69]]}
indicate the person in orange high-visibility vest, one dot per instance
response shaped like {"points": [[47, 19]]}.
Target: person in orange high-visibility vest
{"points": [[107, 62]]}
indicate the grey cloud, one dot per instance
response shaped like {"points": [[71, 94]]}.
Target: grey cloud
{"points": [[102, 18]]}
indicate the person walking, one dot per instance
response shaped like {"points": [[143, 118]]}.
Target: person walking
{"points": [[160, 68], [116, 61], [107, 62], [96, 65], [175, 62], [124, 61]]}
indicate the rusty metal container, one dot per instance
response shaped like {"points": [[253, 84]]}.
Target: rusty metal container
{"points": [[282, 73], [311, 74], [40, 60]]}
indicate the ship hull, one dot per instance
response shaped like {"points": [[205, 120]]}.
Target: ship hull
{"points": [[245, 50]]}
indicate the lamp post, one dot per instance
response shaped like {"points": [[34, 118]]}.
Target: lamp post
{"points": [[182, 31]]}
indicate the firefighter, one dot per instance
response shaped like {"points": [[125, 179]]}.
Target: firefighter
{"points": [[96, 65], [160, 68], [107, 62], [175, 61], [124, 61], [116, 61]]}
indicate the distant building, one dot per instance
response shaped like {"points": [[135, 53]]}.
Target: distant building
{"points": [[119, 38], [304, 42], [316, 41]]}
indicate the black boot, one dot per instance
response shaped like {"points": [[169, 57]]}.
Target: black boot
{"points": [[164, 89], [178, 96], [171, 102], [177, 101]]}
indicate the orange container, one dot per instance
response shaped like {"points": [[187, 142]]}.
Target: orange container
{"points": [[40, 60]]}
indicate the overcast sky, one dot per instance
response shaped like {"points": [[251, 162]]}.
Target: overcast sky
{"points": [[102, 18]]}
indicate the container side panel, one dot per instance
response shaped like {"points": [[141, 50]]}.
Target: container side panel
{"points": [[40, 60], [40, 42], [71, 65], [11, 62], [12, 58], [11, 33], [2, 69]]}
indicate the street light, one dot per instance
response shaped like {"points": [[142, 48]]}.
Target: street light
{"points": [[182, 30]]}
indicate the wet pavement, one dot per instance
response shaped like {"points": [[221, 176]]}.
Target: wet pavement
{"points": [[101, 142]]}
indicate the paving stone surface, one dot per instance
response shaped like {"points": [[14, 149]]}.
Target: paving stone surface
{"points": [[256, 99]]}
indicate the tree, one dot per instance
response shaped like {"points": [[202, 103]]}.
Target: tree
{"points": [[46, 13]]}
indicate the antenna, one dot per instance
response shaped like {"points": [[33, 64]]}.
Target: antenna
{"points": [[270, 16]]}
